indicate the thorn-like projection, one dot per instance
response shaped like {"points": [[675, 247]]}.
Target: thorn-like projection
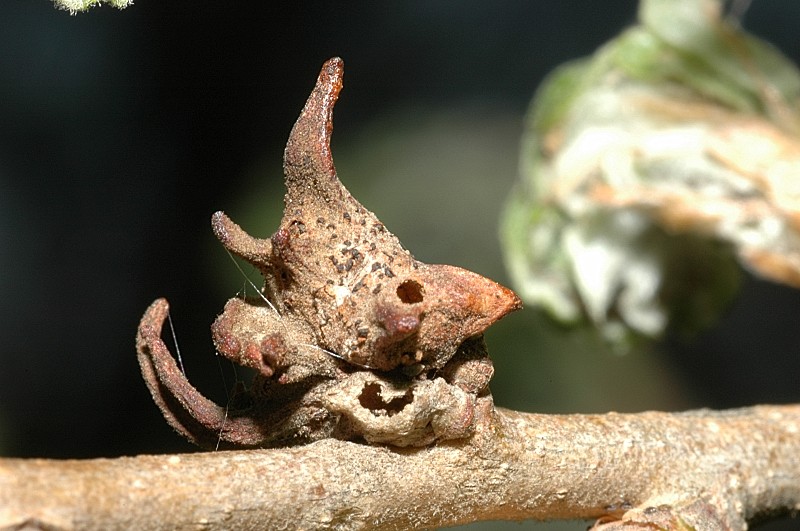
{"points": [[341, 294]]}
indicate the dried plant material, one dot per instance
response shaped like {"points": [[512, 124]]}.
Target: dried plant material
{"points": [[649, 166], [351, 337], [74, 6]]}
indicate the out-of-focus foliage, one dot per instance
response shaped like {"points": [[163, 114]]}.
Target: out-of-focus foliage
{"points": [[647, 167], [73, 6]]}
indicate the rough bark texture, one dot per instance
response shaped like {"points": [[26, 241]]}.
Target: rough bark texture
{"points": [[702, 469]]}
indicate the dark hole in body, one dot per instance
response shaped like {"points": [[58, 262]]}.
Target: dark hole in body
{"points": [[371, 399], [410, 292]]}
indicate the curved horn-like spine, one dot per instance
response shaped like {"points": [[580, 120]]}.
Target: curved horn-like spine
{"points": [[188, 412], [257, 251], [307, 160], [309, 171]]}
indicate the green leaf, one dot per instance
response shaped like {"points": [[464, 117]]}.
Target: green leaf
{"points": [[650, 167]]}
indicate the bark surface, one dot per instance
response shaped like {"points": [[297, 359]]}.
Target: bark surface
{"points": [[700, 469]]}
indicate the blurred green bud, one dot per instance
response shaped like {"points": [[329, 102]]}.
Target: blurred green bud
{"points": [[649, 167]]}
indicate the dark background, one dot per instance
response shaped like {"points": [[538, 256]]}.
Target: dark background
{"points": [[121, 132]]}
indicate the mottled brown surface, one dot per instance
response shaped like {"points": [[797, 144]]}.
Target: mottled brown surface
{"points": [[340, 295]]}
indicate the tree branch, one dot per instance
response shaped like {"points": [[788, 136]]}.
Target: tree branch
{"points": [[709, 470]]}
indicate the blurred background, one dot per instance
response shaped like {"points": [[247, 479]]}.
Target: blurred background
{"points": [[121, 132]]}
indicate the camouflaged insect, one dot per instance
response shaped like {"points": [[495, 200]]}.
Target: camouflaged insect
{"points": [[340, 294]]}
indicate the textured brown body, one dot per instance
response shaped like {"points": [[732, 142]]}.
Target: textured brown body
{"points": [[340, 295]]}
